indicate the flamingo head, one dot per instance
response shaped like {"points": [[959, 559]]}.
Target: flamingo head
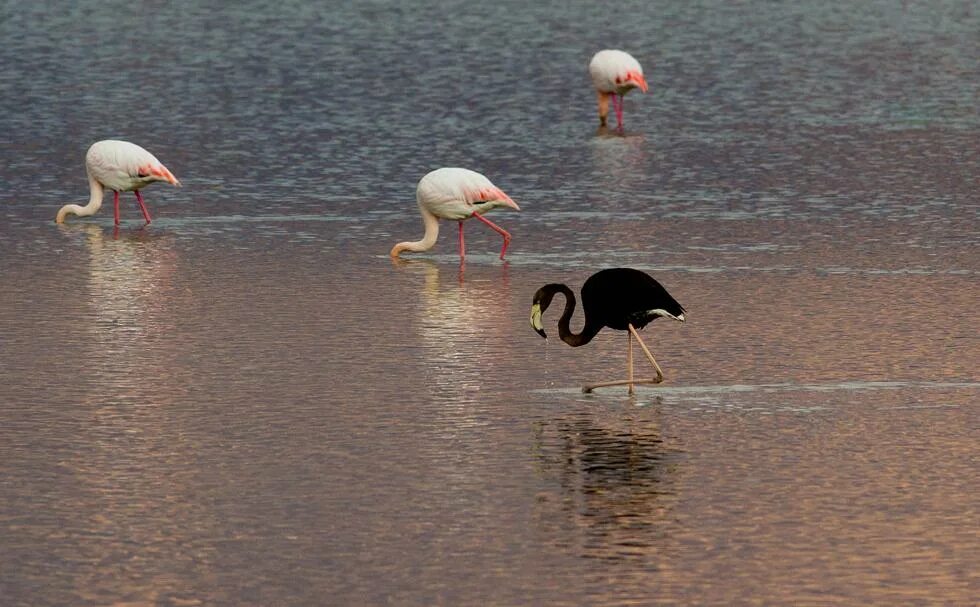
{"points": [[540, 303], [536, 312]]}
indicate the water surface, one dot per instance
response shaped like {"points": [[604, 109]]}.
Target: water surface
{"points": [[248, 403]]}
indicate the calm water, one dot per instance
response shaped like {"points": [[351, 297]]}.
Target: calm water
{"points": [[248, 403]]}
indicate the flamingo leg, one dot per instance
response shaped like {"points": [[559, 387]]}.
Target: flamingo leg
{"points": [[496, 229], [139, 199], [629, 360], [630, 382], [115, 204], [603, 100], [653, 361], [618, 106], [462, 246]]}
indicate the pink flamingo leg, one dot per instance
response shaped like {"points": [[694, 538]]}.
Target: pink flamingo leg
{"points": [[618, 106], [462, 247], [139, 199], [115, 202], [496, 229]]}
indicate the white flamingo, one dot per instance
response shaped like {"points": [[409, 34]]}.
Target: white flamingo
{"points": [[615, 73], [457, 194], [121, 167]]}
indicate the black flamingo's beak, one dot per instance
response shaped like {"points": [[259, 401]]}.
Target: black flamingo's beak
{"points": [[536, 320]]}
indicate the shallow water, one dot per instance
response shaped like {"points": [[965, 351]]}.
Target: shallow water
{"points": [[249, 403]]}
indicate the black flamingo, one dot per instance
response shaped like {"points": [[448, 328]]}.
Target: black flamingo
{"points": [[620, 298]]}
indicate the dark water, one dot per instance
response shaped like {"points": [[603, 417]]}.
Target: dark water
{"points": [[248, 403]]}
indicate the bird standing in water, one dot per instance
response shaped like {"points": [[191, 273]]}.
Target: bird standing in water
{"points": [[122, 167], [615, 73], [457, 194], [620, 298]]}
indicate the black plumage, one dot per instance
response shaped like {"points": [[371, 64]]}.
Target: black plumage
{"points": [[619, 298]]}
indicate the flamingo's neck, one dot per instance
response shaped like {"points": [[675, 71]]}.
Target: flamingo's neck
{"points": [[542, 300], [428, 240], [589, 330], [94, 203]]}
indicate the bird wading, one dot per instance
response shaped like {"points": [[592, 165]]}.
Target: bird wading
{"points": [[620, 298], [615, 73], [457, 194], [121, 167]]}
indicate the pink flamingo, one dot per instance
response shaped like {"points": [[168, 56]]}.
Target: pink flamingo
{"points": [[122, 167], [457, 194], [615, 73]]}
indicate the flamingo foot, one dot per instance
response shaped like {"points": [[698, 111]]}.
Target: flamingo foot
{"points": [[588, 388], [146, 213]]}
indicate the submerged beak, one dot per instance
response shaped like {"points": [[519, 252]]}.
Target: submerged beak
{"points": [[536, 320]]}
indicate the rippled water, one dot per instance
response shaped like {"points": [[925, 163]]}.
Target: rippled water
{"points": [[248, 403]]}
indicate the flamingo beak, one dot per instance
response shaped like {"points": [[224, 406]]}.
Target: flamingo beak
{"points": [[536, 320]]}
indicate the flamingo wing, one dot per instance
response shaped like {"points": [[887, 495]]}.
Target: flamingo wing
{"points": [[456, 193], [122, 166], [490, 193]]}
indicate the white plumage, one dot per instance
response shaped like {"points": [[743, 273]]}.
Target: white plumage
{"points": [[455, 194], [615, 73], [121, 167]]}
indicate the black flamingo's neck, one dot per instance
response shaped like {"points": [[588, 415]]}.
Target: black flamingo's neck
{"points": [[575, 340]]}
